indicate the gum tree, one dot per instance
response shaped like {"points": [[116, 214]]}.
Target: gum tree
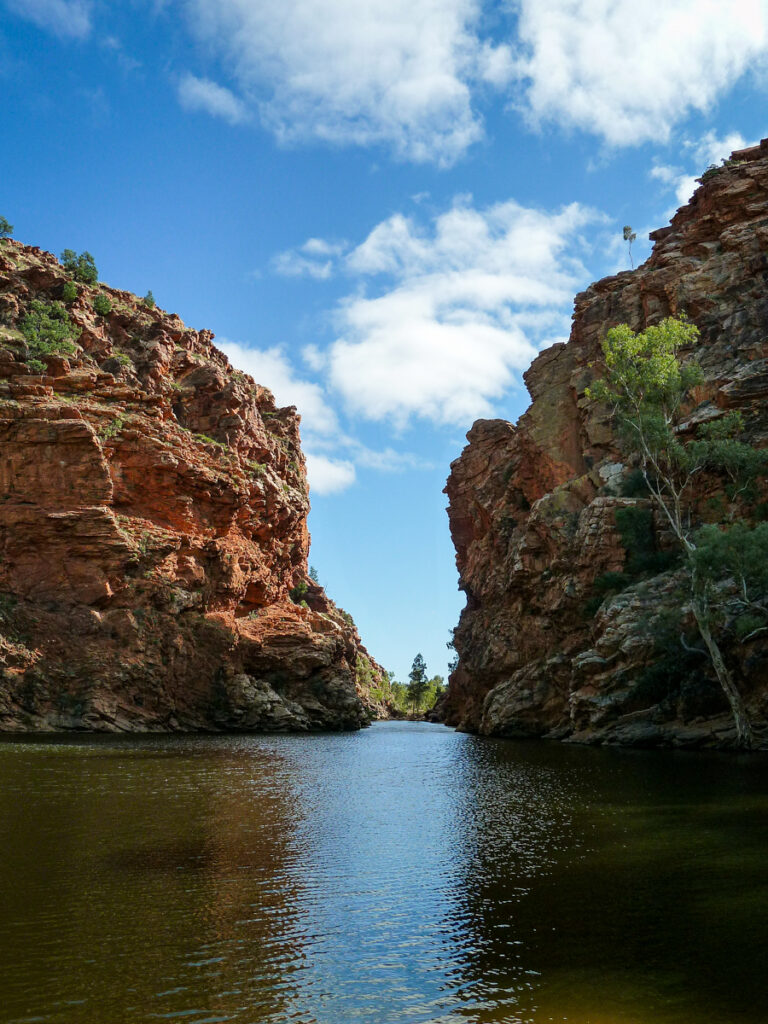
{"points": [[647, 386]]}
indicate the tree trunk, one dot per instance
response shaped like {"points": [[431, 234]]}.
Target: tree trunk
{"points": [[738, 709]]}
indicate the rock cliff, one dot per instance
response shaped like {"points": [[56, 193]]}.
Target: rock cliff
{"points": [[532, 507], [153, 529]]}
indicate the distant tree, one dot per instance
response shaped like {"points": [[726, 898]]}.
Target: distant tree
{"points": [[417, 687], [435, 690], [69, 291], [6, 229], [629, 238], [149, 300], [313, 575], [82, 266]]}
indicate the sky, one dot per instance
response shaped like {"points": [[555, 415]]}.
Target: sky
{"points": [[382, 208]]}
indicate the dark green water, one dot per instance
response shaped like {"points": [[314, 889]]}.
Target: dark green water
{"points": [[403, 874]]}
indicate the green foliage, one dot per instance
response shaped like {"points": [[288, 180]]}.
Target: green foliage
{"points": [[149, 300], [635, 526], [6, 229], [123, 358], [112, 429], [82, 266], [205, 439], [648, 387], [731, 565], [69, 292], [713, 170], [102, 304], [48, 331], [633, 485], [417, 687], [298, 593], [313, 575]]}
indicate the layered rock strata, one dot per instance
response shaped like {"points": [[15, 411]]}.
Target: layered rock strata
{"points": [[532, 507], [153, 532]]}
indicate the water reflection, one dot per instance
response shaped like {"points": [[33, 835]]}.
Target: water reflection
{"points": [[401, 875]]}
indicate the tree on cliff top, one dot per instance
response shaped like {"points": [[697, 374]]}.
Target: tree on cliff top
{"points": [[647, 387], [6, 229]]}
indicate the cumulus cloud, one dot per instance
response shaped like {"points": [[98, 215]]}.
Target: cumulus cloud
{"points": [[212, 98], [701, 153], [630, 71], [458, 309], [397, 72], [66, 18], [315, 258], [329, 476]]}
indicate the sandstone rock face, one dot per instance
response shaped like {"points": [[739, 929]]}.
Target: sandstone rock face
{"points": [[153, 510], [532, 507]]}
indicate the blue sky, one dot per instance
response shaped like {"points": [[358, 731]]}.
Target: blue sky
{"points": [[383, 208]]}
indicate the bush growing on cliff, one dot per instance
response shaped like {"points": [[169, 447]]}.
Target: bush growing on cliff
{"points": [[82, 266], [6, 229], [102, 305], [149, 300], [648, 387], [48, 331], [69, 292]]}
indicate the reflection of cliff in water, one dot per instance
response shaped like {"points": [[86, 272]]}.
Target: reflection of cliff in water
{"points": [[196, 913], [592, 891]]}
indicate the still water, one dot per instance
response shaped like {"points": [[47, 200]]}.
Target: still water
{"points": [[399, 875]]}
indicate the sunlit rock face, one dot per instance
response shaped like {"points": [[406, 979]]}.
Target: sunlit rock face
{"points": [[532, 507], [153, 532]]}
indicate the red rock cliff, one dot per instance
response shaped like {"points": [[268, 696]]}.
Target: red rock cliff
{"points": [[153, 524], [532, 506]]}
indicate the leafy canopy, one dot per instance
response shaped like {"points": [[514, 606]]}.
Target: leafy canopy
{"points": [[82, 266]]}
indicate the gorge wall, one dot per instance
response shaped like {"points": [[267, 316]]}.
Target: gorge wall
{"points": [[532, 506], [153, 531]]}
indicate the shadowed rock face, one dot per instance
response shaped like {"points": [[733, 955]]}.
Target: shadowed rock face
{"points": [[153, 521], [532, 506]]}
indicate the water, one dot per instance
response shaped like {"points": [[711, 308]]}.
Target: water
{"points": [[399, 875]]}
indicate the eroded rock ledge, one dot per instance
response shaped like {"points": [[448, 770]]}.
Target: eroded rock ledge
{"points": [[153, 523], [532, 506]]}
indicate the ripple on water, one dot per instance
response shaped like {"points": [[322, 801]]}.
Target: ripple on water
{"points": [[401, 875]]}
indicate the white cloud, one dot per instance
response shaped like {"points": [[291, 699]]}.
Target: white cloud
{"points": [[467, 304], [315, 258], [271, 368], [397, 72], [630, 71], [66, 18], [203, 94], [700, 154], [329, 476]]}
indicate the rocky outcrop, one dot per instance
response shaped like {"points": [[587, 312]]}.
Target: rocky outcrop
{"points": [[532, 507], [153, 531]]}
